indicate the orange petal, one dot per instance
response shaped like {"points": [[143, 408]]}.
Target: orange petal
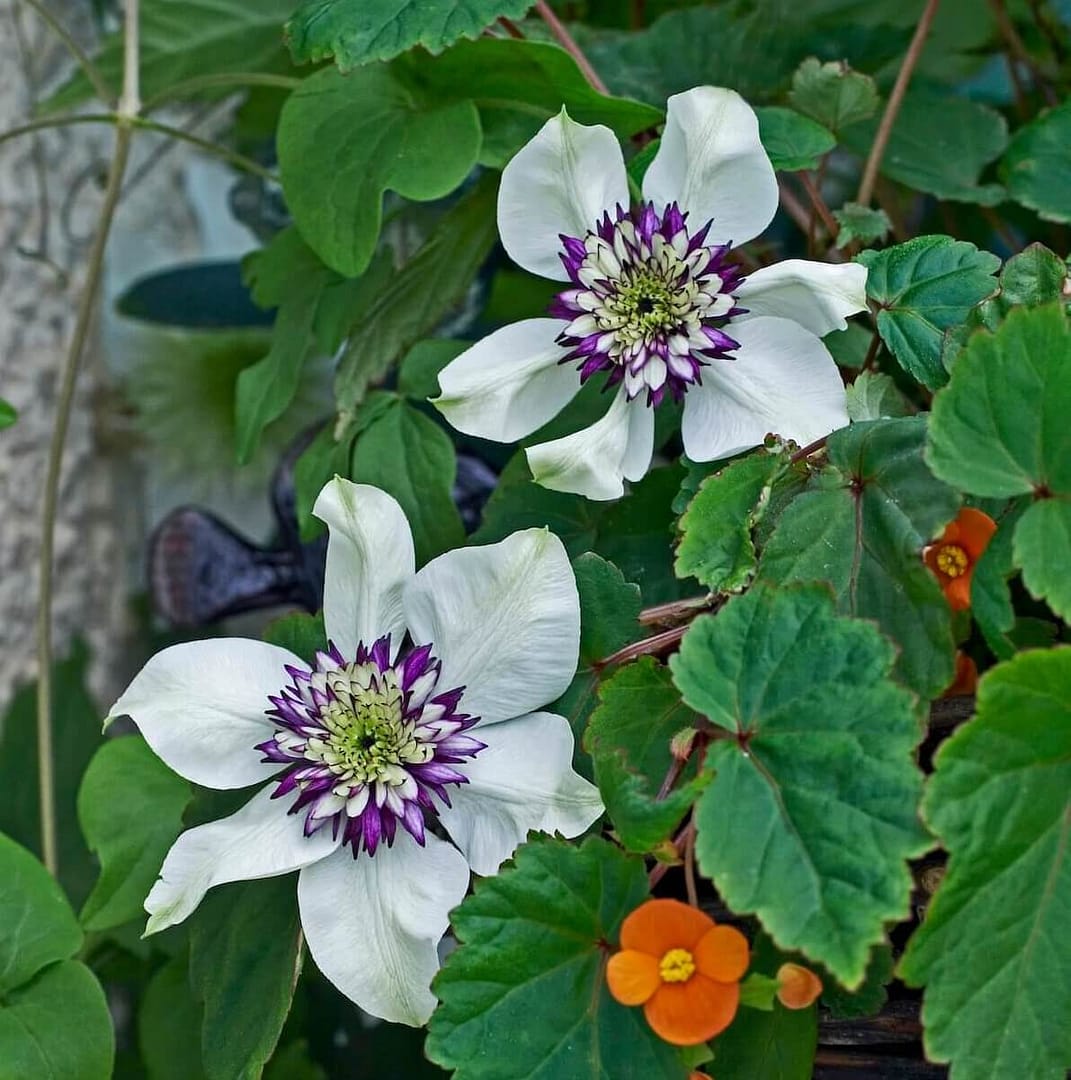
{"points": [[929, 557], [975, 531], [632, 976], [798, 987], [657, 926], [958, 591], [722, 954], [687, 1014]]}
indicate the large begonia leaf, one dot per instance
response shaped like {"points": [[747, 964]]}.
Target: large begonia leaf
{"points": [[130, 807], [345, 140], [812, 813], [1000, 429], [1037, 167], [861, 525], [922, 288], [353, 32], [791, 140], [628, 738], [524, 994], [994, 951]]}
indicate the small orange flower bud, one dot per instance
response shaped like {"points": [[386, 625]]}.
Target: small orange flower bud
{"points": [[798, 987]]}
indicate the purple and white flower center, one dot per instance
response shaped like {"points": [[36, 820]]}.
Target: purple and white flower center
{"points": [[649, 302], [369, 744]]}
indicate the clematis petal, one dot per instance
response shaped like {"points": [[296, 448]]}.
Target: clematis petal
{"points": [[201, 707], [782, 380], [712, 164], [690, 1013], [373, 924], [595, 461], [505, 621], [657, 926], [722, 954], [508, 384], [819, 296], [632, 977], [561, 182], [260, 840], [523, 780], [369, 558]]}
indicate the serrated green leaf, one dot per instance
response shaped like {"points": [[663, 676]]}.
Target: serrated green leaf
{"points": [[354, 32], [57, 1027], [412, 301], [37, 926], [412, 458], [999, 429], [183, 39], [993, 952], [991, 603], [869, 998], [944, 159], [130, 807], [628, 738], [817, 772], [793, 141], [244, 955], [524, 993], [1032, 277], [8, 415], [922, 288], [875, 396], [861, 526], [716, 545], [169, 1025], [861, 224], [833, 94], [345, 140], [304, 635], [1037, 168]]}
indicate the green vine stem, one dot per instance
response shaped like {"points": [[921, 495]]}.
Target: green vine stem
{"points": [[126, 114], [89, 69]]}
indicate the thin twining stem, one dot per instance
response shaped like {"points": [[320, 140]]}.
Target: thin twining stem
{"points": [[89, 69], [568, 43]]}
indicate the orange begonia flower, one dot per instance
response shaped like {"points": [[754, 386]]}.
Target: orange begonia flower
{"points": [[966, 677], [681, 967], [797, 987], [953, 557]]}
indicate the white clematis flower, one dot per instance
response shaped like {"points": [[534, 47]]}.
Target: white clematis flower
{"points": [[655, 302], [423, 709]]}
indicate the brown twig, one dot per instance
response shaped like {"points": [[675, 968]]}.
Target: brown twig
{"points": [[892, 108], [815, 195], [689, 863], [567, 42], [809, 449], [511, 28], [872, 352], [652, 646], [675, 610], [1017, 51]]}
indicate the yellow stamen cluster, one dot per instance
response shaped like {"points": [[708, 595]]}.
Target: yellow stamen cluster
{"points": [[677, 966], [952, 560]]}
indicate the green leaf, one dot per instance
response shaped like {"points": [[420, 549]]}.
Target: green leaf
{"points": [[244, 957], [353, 32], [304, 635], [994, 951], [518, 86], [833, 94], [1023, 372], [942, 159], [716, 545], [869, 998], [875, 396], [313, 303], [524, 993], [76, 734], [816, 773], [130, 807], [413, 459], [412, 301], [991, 603], [861, 525], [8, 415], [628, 738], [1037, 168], [861, 224], [169, 1025], [1032, 277], [57, 1027], [184, 39], [418, 374], [345, 140], [37, 926], [791, 140], [923, 287]]}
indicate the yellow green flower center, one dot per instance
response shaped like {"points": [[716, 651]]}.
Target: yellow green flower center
{"points": [[677, 966], [952, 560]]}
